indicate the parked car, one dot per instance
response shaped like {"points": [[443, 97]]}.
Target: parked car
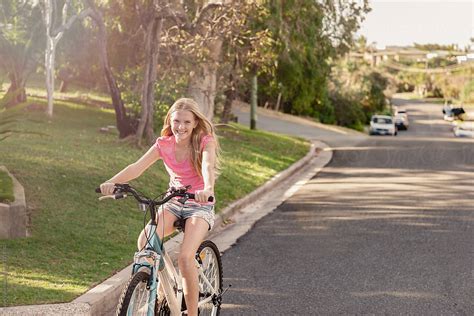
{"points": [[464, 129], [452, 113], [382, 125], [401, 120]]}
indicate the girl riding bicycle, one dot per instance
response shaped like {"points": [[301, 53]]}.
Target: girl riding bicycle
{"points": [[189, 149]]}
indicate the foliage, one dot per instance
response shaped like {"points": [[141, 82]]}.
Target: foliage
{"points": [[19, 33], [449, 85], [289, 43], [91, 240], [79, 56], [311, 34], [168, 90], [249, 40], [20, 45], [248, 44], [127, 82], [374, 86], [438, 62], [468, 92], [348, 111], [431, 47], [356, 92]]}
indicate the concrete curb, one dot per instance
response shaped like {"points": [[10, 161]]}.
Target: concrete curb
{"points": [[13, 217], [223, 217], [244, 218], [102, 299]]}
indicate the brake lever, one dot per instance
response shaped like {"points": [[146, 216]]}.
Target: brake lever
{"points": [[183, 199]]}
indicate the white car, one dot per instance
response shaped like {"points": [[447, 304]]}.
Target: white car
{"points": [[401, 120], [382, 125], [464, 129]]}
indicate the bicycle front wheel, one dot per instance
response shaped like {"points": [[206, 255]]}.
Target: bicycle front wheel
{"points": [[135, 297], [210, 260]]}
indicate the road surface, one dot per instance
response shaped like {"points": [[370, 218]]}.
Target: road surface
{"points": [[385, 228]]}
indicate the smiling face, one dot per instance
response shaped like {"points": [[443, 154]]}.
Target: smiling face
{"points": [[182, 124]]}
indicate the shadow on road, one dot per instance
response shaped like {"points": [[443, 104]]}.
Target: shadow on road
{"points": [[385, 228]]}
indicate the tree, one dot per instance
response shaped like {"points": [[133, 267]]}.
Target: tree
{"points": [[199, 37], [311, 33], [19, 46], [249, 50], [202, 86], [56, 24], [152, 17], [125, 124]]}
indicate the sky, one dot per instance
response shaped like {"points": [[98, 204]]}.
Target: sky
{"points": [[403, 22]]}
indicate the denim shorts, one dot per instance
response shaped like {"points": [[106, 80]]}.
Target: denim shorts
{"points": [[191, 209]]}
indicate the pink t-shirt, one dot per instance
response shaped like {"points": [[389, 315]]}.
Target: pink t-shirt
{"points": [[181, 173]]}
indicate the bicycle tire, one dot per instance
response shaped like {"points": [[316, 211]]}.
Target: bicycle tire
{"points": [[137, 282], [209, 258], [162, 308]]}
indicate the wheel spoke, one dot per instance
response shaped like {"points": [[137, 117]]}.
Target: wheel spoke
{"points": [[139, 301], [135, 298]]}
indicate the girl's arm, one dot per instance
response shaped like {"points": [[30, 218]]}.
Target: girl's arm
{"points": [[132, 171], [208, 172]]}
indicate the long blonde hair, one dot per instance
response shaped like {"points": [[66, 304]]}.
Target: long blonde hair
{"points": [[204, 127]]}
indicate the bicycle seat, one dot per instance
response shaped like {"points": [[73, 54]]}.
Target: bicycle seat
{"points": [[180, 224]]}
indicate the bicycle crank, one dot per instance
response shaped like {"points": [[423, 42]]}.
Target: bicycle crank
{"points": [[217, 299]]}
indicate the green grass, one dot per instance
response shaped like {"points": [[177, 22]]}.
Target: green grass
{"points": [[77, 242], [6, 188]]}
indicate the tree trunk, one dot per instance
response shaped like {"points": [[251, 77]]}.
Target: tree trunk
{"points": [[277, 107], [152, 47], [253, 103], [125, 125], [63, 86], [52, 38], [202, 85], [230, 94], [49, 65], [16, 93]]}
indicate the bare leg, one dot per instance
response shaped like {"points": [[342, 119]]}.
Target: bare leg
{"points": [[164, 228], [196, 230]]}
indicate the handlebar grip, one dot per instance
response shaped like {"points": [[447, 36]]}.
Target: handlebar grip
{"points": [[192, 196], [97, 190]]}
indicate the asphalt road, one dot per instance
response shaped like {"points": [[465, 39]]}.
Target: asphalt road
{"points": [[386, 228]]}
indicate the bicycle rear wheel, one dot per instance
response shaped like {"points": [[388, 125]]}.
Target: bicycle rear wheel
{"points": [[210, 260], [134, 299]]}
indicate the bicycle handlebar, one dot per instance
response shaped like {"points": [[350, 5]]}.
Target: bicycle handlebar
{"points": [[121, 190]]}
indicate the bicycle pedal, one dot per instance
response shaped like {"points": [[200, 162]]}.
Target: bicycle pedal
{"points": [[218, 299]]}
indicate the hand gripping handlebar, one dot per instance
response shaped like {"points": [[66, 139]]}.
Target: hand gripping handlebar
{"points": [[121, 191]]}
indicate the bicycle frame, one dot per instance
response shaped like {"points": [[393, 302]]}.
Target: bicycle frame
{"points": [[154, 258], [169, 279]]}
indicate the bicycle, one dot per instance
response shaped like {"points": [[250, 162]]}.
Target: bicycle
{"points": [[155, 286]]}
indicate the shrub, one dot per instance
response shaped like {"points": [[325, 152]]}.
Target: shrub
{"points": [[348, 111], [468, 92]]}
